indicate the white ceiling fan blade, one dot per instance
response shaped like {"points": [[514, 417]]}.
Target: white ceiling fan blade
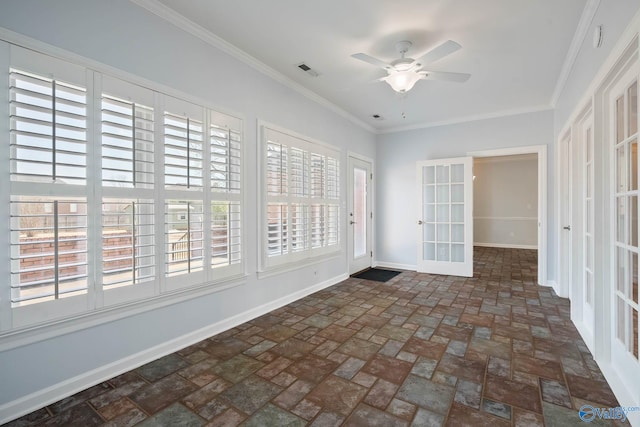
{"points": [[371, 60], [439, 52], [446, 76]]}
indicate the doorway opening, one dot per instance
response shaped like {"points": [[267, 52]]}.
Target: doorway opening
{"points": [[510, 200]]}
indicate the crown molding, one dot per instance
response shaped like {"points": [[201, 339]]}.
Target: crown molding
{"points": [[579, 36], [173, 17], [465, 119]]}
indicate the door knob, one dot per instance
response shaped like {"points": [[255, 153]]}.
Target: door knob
{"points": [[420, 222], [567, 227], [352, 222]]}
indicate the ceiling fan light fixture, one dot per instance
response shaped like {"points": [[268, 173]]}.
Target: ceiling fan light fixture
{"points": [[402, 81]]}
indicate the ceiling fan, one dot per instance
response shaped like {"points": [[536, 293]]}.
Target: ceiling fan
{"points": [[403, 73]]}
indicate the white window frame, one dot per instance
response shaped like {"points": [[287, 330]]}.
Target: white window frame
{"points": [[270, 133], [119, 299]]}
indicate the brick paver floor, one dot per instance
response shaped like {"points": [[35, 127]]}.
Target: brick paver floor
{"points": [[420, 349]]}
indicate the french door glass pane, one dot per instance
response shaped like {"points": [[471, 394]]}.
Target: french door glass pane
{"points": [[428, 174], [589, 288], [443, 194], [443, 233], [620, 316], [429, 194], [457, 213], [587, 243], [621, 214], [588, 146], [634, 327], [633, 166], [621, 175], [633, 221], [457, 233], [442, 174], [429, 232], [457, 253], [430, 212], [621, 268], [442, 214], [359, 212], [443, 252], [457, 173], [633, 289], [429, 251], [633, 108], [457, 193], [620, 119]]}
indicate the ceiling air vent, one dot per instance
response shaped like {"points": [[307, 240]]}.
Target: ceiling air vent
{"points": [[304, 67]]}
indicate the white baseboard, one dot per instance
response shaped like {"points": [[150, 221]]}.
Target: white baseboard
{"points": [[27, 404], [623, 394], [587, 337], [410, 267], [505, 246], [556, 288]]}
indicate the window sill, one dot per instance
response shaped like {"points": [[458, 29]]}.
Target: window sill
{"points": [[296, 265]]}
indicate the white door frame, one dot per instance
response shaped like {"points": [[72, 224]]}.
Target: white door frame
{"points": [[370, 200], [541, 151]]}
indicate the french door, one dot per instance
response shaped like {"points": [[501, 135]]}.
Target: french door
{"points": [[566, 173], [623, 143], [588, 226], [360, 215], [445, 225]]}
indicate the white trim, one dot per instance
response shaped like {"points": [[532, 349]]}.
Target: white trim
{"points": [[465, 119], [623, 394], [579, 36], [173, 17], [506, 218], [41, 398], [502, 159], [395, 265], [504, 245], [541, 151], [587, 336], [297, 265], [552, 284]]}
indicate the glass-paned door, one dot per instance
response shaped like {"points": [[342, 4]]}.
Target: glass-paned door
{"points": [[445, 225], [624, 149], [360, 215], [588, 276]]}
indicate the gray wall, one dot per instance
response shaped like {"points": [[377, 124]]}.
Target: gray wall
{"points": [[505, 201], [122, 35], [396, 205]]}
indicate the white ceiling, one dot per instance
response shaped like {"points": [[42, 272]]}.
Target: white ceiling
{"points": [[514, 49]]}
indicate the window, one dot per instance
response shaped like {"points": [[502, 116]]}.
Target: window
{"points": [[118, 193], [302, 188], [48, 239]]}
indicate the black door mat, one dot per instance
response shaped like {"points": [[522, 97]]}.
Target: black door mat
{"points": [[377, 274]]}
